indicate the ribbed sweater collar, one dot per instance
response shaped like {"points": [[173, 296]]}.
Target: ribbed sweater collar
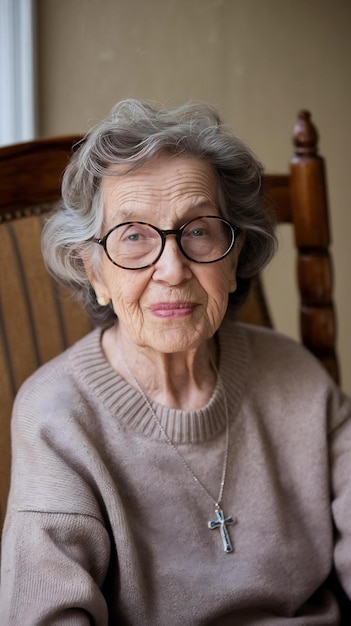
{"points": [[91, 369]]}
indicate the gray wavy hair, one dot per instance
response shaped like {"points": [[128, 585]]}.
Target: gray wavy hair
{"points": [[132, 134]]}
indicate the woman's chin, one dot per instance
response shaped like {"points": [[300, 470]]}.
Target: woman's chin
{"points": [[173, 340]]}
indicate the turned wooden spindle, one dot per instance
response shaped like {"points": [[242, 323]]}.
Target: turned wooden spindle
{"points": [[312, 235]]}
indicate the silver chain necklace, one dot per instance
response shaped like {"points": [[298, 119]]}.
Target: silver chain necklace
{"points": [[221, 521]]}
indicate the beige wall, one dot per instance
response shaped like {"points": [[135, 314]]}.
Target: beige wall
{"points": [[258, 61]]}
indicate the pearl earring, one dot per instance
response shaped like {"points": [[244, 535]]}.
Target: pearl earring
{"points": [[102, 300], [232, 285]]}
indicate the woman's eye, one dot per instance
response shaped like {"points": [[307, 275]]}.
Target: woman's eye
{"points": [[133, 237], [200, 231], [197, 232], [132, 233]]}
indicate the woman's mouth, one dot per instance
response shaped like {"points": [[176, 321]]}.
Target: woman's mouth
{"points": [[172, 309]]}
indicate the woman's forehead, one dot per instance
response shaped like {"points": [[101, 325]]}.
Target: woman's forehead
{"points": [[171, 178]]}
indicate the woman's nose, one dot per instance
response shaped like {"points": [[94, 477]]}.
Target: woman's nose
{"points": [[172, 266]]}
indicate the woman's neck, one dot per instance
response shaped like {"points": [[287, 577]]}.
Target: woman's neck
{"points": [[182, 380]]}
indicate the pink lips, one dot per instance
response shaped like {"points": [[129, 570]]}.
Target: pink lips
{"points": [[172, 309]]}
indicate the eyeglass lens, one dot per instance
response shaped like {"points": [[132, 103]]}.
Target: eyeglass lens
{"points": [[135, 245]]}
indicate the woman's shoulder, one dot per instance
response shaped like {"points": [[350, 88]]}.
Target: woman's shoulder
{"points": [[274, 353], [265, 337], [280, 371], [58, 378]]}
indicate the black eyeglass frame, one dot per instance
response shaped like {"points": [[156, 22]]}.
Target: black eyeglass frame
{"points": [[177, 232]]}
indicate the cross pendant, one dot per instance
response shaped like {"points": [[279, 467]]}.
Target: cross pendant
{"points": [[221, 523]]}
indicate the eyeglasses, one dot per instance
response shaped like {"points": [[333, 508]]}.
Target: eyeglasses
{"points": [[138, 245]]}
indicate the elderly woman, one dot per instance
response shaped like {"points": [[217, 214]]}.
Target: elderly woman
{"points": [[174, 467]]}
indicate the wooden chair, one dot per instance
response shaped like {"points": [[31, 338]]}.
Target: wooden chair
{"points": [[300, 199], [38, 320]]}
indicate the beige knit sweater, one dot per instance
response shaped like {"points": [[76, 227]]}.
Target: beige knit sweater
{"points": [[105, 525]]}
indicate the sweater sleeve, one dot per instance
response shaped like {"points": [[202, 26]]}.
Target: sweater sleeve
{"points": [[340, 463], [55, 546], [51, 573]]}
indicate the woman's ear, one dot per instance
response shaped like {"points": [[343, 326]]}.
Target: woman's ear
{"points": [[235, 258], [236, 251], [97, 282], [240, 242]]}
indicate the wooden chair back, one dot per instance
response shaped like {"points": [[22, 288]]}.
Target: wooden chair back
{"points": [[300, 199], [39, 320]]}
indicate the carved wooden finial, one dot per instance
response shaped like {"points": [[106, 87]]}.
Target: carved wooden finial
{"points": [[305, 135]]}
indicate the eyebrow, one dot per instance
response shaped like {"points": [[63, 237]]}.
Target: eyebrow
{"points": [[126, 214]]}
